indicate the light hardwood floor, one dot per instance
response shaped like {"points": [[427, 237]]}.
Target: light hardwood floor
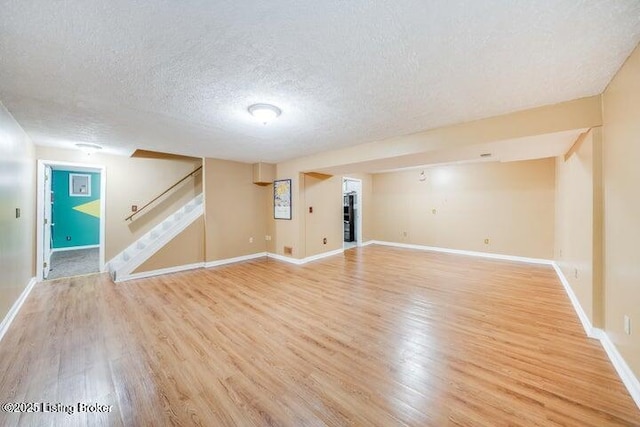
{"points": [[379, 336]]}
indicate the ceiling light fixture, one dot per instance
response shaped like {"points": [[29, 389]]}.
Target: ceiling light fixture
{"points": [[264, 112], [88, 148]]}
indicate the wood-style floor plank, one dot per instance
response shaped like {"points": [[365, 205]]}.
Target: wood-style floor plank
{"points": [[379, 336]]}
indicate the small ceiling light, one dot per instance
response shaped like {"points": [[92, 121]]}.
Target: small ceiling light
{"points": [[485, 155], [422, 177], [264, 112], [88, 148]]}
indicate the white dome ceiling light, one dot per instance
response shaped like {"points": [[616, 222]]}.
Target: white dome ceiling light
{"points": [[264, 112]]}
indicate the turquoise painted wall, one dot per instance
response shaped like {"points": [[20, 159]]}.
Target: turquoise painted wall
{"points": [[72, 227]]}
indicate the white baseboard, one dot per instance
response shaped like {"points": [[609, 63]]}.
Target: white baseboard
{"points": [[367, 243], [584, 319], [300, 261], [285, 258], [463, 252], [322, 255], [219, 262], [624, 371], [6, 322], [75, 248], [168, 270], [176, 269]]}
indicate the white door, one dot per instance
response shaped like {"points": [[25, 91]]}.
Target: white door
{"points": [[46, 241]]}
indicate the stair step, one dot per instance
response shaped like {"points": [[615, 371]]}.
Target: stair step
{"points": [[140, 250]]}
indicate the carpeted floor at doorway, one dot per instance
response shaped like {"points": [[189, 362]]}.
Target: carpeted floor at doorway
{"points": [[74, 263]]}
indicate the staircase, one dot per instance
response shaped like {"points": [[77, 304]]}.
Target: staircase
{"points": [[132, 257]]}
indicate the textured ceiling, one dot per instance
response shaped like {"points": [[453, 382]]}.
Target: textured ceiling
{"points": [[177, 76]]}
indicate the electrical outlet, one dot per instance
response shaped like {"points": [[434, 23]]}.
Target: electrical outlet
{"points": [[433, 211], [17, 213], [267, 238], [404, 234], [250, 239], [68, 238], [134, 208], [486, 241], [324, 241], [575, 273], [627, 324]]}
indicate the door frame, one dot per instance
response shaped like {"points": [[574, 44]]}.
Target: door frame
{"points": [[360, 208], [82, 167]]}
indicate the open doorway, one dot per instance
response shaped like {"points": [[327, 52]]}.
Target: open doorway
{"points": [[352, 212], [70, 218]]}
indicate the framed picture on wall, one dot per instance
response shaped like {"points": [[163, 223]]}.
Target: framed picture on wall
{"points": [[79, 185], [282, 199]]}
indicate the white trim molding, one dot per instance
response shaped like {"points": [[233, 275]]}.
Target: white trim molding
{"points": [[584, 319], [463, 252], [152, 273], [179, 268], [301, 261], [74, 248], [624, 371], [220, 262], [15, 308], [322, 255], [283, 258]]}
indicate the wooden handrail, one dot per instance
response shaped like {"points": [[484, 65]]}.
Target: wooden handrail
{"points": [[163, 193]]}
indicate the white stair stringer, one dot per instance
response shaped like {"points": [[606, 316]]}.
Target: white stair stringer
{"points": [[122, 265]]}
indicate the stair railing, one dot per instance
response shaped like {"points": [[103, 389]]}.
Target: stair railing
{"points": [[190, 174]]}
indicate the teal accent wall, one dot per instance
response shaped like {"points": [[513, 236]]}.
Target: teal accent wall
{"points": [[81, 228]]}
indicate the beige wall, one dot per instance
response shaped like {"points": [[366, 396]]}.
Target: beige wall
{"points": [[326, 221], [511, 204], [185, 249], [134, 181], [621, 109], [578, 249], [17, 190], [235, 210]]}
